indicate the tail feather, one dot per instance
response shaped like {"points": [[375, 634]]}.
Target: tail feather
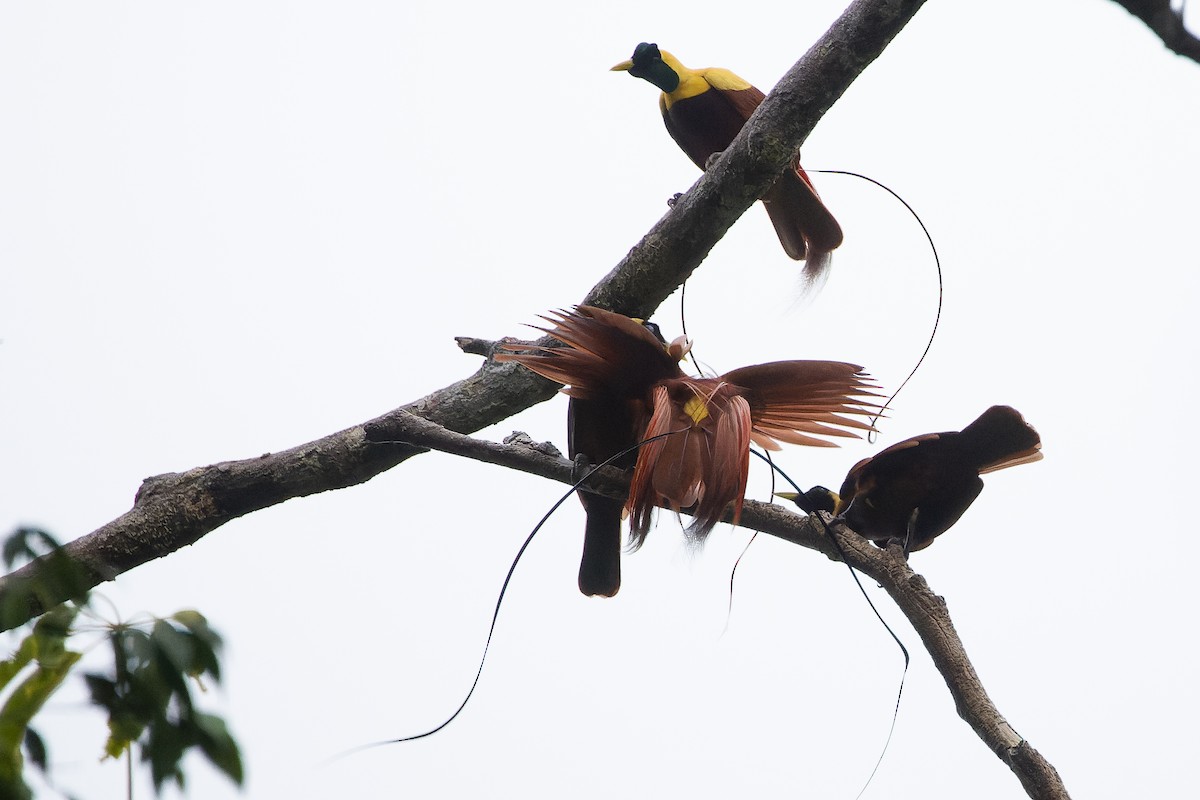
{"points": [[816, 271], [1001, 438], [805, 227], [600, 566]]}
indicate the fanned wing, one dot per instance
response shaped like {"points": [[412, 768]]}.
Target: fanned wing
{"points": [[799, 401], [740, 95], [606, 354]]}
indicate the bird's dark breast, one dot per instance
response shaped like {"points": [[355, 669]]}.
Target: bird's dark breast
{"points": [[601, 428], [935, 477], [706, 123]]}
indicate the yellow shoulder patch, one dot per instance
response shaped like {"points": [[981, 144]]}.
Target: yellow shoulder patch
{"points": [[699, 81], [723, 79]]}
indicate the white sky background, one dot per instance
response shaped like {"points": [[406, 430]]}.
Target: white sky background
{"points": [[229, 228]]}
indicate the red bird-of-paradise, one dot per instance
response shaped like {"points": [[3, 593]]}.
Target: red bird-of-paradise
{"points": [[704, 110], [915, 490], [626, 386]]}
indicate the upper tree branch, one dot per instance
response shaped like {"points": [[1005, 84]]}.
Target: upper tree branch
{"points": [[1167, 24]]}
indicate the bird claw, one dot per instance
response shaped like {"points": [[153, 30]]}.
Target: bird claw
{"points": [[673, 199], [580, 466], [829, 521], [712, 159]]}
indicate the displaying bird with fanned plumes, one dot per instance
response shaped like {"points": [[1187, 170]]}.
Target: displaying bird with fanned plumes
{"points": [[626, 386], [610, 363], [914, 491], [704, 109]]}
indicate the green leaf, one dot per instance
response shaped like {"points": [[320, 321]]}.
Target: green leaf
{"points": [[57, 575], [123, 731], [25, 701], [164, 750], [206, 641], [136, 649], [167, 676], [62, 576], [35, 748], [18, 660], [219, 745], [51, 632], [175, 645], [17, 546], [20, 598], [15, 788], [103, 690]]}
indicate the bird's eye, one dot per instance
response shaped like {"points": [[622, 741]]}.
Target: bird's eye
{"points": [[653, 328]]}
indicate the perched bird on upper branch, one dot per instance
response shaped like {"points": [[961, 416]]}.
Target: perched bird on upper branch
{"points": [[704, 109], [626, 386], [914, 491]]}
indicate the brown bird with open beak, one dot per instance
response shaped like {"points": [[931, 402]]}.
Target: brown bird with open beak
{"points": [[704, 110], [626, 386], [914, 491]]}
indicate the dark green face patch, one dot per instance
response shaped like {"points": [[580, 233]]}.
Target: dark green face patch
{"points": [[649, 66]]}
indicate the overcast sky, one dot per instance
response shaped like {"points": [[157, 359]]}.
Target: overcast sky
{"points": [[230, 228]]}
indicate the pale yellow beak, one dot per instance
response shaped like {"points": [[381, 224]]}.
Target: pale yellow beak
{"points": [[624, 66]]}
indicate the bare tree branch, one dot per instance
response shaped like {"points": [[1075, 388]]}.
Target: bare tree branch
{"points": [[1167, 24], [925, 610]]}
